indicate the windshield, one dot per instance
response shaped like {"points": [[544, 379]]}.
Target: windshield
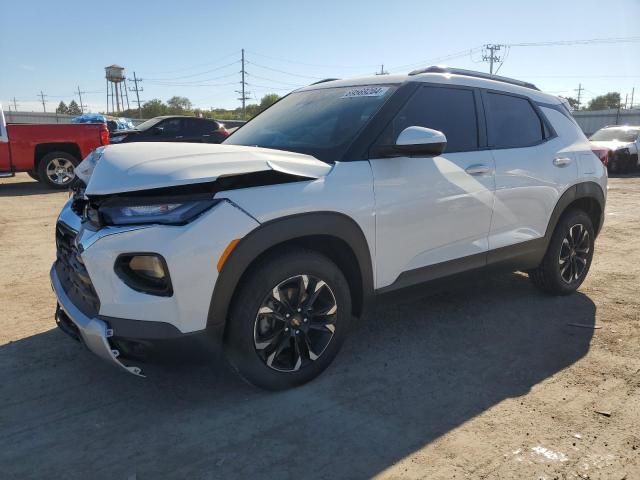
{"points": [[611, 134], [149, 123], [321, 122]]}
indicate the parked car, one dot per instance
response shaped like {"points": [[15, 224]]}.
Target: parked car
{"points": [[273, 241], [49, 153], [174, 128], [618, 147]]}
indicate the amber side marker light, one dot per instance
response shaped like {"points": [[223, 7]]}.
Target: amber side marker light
{"points": [[226, 253]]}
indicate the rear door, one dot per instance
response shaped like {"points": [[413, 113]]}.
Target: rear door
{"points": [[431, 210], [200, 130], [533, 168], [5, 157]]}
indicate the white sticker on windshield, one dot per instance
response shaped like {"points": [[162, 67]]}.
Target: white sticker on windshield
{"points": [[366, 92]]}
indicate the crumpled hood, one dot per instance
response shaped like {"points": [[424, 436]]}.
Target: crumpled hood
{"points": [[611, 145], [142, 166]]}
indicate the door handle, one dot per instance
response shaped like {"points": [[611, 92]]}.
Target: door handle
{"points": [[561, 161], [477, 169]]}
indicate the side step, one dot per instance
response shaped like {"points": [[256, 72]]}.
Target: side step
{"points": [[7, 174]]}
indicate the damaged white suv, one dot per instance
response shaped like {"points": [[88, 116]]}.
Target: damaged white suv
{"points": [[273, 241]]}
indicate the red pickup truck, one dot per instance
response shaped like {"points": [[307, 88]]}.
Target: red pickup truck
{"points": [[47, 152]]}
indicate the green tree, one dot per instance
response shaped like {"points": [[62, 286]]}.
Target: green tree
{"points": [[62, 108], [573, 103], [268, 100], [179, 105], [154, 108], [74, 108], [604, 102]]}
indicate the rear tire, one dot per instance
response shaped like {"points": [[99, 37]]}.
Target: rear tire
{"points": [[33, 174], [57, 170], [288, 320], [568, 257]]}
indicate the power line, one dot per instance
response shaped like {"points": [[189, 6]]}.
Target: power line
{"points": [[197, 74], [82, 105], [42, 96], [137, 89], [491, 57], [311, 64], [282, 71], [382, 71], [244, 94], [590, 41], [194, 82], [232, 54], [579, 90], [252, 75]]}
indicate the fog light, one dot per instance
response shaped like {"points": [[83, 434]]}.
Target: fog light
{"points": [[144, 272]]}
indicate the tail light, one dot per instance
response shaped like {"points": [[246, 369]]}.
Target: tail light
{"points": [[104, 135], [602, 154]]}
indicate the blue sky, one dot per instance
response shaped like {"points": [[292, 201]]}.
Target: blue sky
{"points": [[192, 48]]}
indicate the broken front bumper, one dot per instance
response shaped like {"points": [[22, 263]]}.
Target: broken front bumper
{"points": [[94, 333]]}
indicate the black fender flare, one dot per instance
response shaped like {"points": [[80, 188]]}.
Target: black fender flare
{"points": [[278, 231], [576, 192]]}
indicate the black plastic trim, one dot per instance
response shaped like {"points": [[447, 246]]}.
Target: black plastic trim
{"points": [[275, 232], [142, 329]]}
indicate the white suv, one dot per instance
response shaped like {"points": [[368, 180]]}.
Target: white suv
{"points": [[273, 241]]}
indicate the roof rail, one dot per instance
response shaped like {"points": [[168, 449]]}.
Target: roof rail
{"points": [[473, 73], [324, 80]]}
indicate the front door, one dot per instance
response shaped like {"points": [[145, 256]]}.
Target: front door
{"points": [[430, 211]]}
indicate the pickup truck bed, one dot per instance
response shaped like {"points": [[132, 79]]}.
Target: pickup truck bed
{"points": [[48, 152]]}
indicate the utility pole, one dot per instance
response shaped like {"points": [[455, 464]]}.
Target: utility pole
{"points": [[15, 104], [579, 90], [244, 95], [80, 97], [626, 97], [44, 106], [632, 92], [491, 57], [136, 89], [382, 72]]}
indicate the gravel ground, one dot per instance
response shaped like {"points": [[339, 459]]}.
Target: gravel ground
{"points": [[477, 380]]}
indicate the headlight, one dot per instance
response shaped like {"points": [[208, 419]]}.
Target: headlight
{"points": [[85, 168], [170, 212]]}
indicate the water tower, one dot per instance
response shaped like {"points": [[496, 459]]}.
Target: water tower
{"points": [[115, 92]]}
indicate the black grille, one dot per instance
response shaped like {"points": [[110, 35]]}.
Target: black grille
{"points": [[73, 274]]}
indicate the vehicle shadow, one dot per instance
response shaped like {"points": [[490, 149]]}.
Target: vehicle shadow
{"points": [[416, 366], [23, 187]]}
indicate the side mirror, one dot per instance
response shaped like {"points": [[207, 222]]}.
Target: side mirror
{"points": [[421, 141]]}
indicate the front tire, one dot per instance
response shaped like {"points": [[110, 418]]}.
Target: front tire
{"points": [[569, 254], [57, 170], [288, 320]]}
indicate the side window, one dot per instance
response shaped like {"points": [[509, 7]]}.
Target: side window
{"points": [[450, 110], [195, 126], [171, 127], [512, 122]]}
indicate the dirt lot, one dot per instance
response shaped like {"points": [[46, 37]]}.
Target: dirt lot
{"points": [[479, 381]]}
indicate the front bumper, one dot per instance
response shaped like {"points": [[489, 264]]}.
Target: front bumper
{"points": [[94, 333]]}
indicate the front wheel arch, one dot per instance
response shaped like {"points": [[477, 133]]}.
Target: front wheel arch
{"points": [[332, 234]]}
